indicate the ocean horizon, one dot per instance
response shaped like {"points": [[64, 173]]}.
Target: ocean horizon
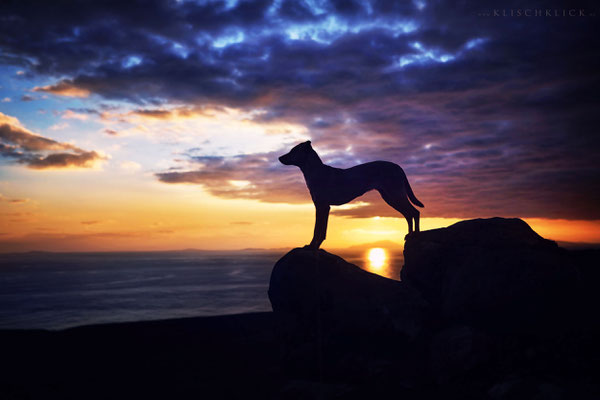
{"points": [[44, 290]]}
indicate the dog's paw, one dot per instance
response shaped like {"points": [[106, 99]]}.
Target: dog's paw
{"points": [[411, 235]]}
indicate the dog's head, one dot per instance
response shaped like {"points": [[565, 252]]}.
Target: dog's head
{"points": [[298, 155]]}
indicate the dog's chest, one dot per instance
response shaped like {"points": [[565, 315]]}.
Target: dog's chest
{"points": [[318, 185]]}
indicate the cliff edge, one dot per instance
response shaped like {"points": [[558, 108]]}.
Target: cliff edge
{"points": [[484, 301]]}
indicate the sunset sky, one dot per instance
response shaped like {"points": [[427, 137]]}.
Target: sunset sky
{"points": [[152, 125]]}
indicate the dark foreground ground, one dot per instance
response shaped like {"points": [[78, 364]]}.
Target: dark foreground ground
{"points": [[212, 357], [486, 309], [225, 357]]}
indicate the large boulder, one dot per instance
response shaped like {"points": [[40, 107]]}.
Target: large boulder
{"points": [[485, 308], [332, 313], [457, 351], [494, 273]]}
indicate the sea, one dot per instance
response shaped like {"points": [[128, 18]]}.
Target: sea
{"points": [[54, 291]]}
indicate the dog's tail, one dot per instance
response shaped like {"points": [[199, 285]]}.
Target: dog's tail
{"points": [[410, 193]]}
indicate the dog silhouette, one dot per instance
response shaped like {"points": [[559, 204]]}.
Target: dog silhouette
{"points": [[331, 186]]}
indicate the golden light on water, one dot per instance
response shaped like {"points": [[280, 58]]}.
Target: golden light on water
{"points": [[377, 258]]}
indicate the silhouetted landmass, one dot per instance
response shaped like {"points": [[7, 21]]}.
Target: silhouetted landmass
{"points": [[494, 273], [328, 308], [579, 245], [486, 309], [212, 357]]}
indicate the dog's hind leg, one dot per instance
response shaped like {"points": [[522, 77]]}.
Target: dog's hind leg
{"points": [[417, 218], [398, 200]]}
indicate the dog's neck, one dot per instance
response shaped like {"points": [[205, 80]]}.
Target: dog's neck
{"points": [[311, 164]]}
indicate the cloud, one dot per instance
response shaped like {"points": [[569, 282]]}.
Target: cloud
{"points": [[173, 113], [13, 200], [57, 127], [38, 152], [486, 115], [63, 88], [130, 166], [255, 176], [158, 114], [49, 241], [11, 131], [485, 186], [27, 97], [70, 114], [291, 58], [85, 159]]}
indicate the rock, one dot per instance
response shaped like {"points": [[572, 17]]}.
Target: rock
{"points": [[495, 273], [588, 263], [517, 388], [479, 301], [330, 312], [458, 351]]}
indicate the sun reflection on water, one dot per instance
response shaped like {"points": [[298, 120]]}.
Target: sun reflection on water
{"points": [[378, 259], [383, 261]]}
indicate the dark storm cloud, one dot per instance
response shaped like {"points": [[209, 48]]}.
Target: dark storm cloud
{"points": [[38, 152], [488, 115]]}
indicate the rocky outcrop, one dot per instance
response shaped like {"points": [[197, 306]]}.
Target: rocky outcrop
{"points": [[485, 308], [493, 273], [327, 309], [309, 284]]}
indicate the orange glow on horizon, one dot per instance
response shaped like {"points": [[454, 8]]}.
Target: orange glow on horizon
{"points": [[143, 214], [573, 231]]}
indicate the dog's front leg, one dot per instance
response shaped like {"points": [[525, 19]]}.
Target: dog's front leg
{"points": [[322, 215]]}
